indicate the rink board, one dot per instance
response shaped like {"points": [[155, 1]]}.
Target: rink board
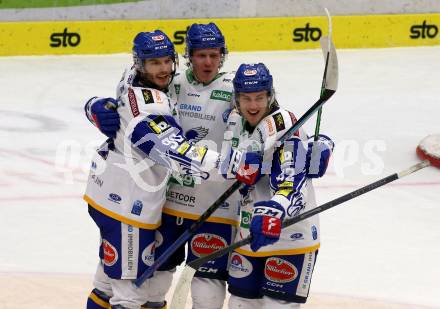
{"points": [[243, 34]]}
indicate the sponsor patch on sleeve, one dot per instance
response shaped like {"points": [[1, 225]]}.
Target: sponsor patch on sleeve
{"points": [[133, 102], [148, 96], [159, 125], [197, 153], [279, 122], [183, 148]]}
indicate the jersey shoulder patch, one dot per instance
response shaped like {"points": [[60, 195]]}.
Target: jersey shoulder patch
{"points": [[276, 124], [147, 100]]}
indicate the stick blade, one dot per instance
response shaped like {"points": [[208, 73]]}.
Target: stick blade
{"points": [[182, 288], [328, 48], [429, 149]]}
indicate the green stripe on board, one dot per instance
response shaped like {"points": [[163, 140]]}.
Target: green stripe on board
{"points": [[22, 4]]}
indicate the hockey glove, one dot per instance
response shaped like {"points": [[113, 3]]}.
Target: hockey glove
{"points": [[265, 225], [243, 166], [318, 155], [102, 113]]}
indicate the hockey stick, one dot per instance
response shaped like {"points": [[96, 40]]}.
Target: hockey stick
{"points": [[330, 82], [326, 52], [183, 285]]}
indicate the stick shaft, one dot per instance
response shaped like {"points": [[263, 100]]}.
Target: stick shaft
{"points": [[342, 199]]}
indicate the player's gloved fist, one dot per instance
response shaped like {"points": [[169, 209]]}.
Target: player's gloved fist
{"points": [[243, 166], [318, 155], [102, 112], [266, 223]]}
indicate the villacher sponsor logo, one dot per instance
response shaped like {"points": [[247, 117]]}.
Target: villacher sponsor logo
{"points": [[203, 244], [279, 270]]}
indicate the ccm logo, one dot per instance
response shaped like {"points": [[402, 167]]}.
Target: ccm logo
{"points": [[65, 39]]}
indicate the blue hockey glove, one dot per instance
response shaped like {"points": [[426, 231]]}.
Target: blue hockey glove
{"points": [[266, 222], [103, 114], [243, 166], [318, 155]]}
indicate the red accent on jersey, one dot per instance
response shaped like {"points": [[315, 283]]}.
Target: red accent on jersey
{"points": [[133, 103], [110, 253], [279, 270], [203, 244]]}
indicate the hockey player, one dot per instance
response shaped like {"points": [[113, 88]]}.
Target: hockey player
{"points": [[275, 271], [204, 100], [127, 182]]}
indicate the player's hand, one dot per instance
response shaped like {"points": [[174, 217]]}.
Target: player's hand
{"points": [[244, 166], [266, 222], [318, 155], [105, 116]]}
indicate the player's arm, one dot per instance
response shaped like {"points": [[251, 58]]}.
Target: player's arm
{"points": [[154, 131], [288, 175]]}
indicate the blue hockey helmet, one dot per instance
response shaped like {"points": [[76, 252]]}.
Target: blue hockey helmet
{"points": [[254, 78], [153, 44], [204, 36], [201, 36]]}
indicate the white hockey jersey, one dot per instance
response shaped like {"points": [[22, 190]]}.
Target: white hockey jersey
{"points": [[281, 183], [124, 183], [203, 111]]}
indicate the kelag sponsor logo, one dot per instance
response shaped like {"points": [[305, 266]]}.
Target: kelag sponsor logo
{"points": [[306, 34], [221, 95], [423, 31], [65, 39]]}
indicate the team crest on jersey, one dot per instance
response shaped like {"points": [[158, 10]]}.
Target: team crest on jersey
{"points": [[279, 270], [279, 122], [148, 96], [110, 253], [204, 244], [196, 134]]}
